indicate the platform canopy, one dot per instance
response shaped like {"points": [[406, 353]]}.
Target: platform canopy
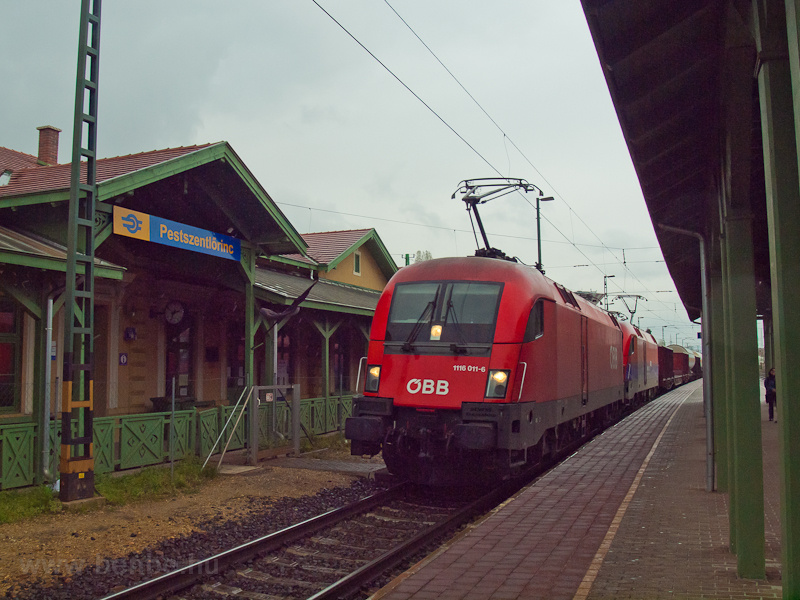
{"points": [[663, 62]]}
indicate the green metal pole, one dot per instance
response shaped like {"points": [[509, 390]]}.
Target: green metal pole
{"points": [[326, 362], [718, 353], [76, 462], [728, 391], [749, 480], [769, 352], [783, 215], [248, 264]]}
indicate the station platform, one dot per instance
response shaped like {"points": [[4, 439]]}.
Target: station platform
{"points": [[627, 516]]}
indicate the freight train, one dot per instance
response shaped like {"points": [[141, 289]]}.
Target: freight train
{"points": [[478, 368]]}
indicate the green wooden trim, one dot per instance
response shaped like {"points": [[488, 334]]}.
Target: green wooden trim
{"points": [[17, 465], [58, 302], [30, 199], [55, 264], [326, 329], [104, 230], [138, 440], [274, 298], [293, 262], [337, 308], [332, 265], [111, 188], [24, 299], [267, 202], [17, 420]]}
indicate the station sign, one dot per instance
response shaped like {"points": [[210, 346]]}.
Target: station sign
{"points": [[149, 228]]}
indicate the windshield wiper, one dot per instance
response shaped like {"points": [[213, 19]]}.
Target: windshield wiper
{"points": [[455, 348], [408, 345]]}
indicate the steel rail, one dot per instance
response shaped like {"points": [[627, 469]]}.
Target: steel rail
{"points": [[350, 584], [189, 575]]}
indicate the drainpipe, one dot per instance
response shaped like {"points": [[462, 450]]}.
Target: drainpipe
{"points": [[706, 333]]}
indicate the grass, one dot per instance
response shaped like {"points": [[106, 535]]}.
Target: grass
{"points": [[151, 483], [154, 483], [17, 505], [332, 444]]}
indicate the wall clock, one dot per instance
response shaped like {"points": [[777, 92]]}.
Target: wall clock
{"points": [[174, 312]]}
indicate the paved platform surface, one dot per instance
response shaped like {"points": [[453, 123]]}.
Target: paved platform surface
{"points": [[627, 516]]}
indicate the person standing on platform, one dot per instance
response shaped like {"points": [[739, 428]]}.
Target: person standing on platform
{"points": [[771, 395]]}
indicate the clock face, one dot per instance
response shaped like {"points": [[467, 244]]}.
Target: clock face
{"points": [[174, 312]]}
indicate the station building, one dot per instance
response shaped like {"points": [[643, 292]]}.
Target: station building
{"points": [[186, 239]]}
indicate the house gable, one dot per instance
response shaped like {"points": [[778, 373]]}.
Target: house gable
{"points": [[333, 255]]}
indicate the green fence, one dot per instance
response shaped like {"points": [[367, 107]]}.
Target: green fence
{"points": [[131, 441]]}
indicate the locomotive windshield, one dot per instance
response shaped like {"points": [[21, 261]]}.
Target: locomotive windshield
{"points": [[445, 313]]}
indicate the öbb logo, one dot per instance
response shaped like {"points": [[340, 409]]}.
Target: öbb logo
{"points": [[428, 386]]}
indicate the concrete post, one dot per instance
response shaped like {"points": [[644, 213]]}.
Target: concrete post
{"points": [[781, 134], [744, 433], [718, 354], [730, 428], [749, 479]]}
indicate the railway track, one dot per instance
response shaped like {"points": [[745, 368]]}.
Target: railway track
{"points": [[334, 555], [337, 554]]}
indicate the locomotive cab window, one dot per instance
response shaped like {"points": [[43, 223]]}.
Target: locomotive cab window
{"points": [[535, 328], [444, 312], [632, 349]]}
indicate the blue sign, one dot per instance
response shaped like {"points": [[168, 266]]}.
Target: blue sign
{"points": [[131, 223]]}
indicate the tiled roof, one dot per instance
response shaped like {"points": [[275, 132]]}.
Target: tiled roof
{"points": [[324, 292], [325, 247], [57, 177], [25, 243], [11, 160]]}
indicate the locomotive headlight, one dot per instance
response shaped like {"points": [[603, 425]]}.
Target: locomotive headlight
{"points": [[499, 376], [497, 383], [436, 332], [373, 378]]}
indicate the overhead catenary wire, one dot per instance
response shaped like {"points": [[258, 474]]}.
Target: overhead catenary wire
{"points": [[412, 92], [508, 138], [483, 158], [413, 224]]}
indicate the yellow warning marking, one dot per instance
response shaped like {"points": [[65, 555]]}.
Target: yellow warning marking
{"points": [[586, 585]]}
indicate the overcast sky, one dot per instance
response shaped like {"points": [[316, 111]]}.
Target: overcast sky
{"points": [[327, 130]]}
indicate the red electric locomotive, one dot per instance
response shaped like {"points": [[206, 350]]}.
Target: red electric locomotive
{"points": [[478, 367], [641, 363]]}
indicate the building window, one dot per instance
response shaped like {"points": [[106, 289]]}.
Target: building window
{"points": [[357, 263], [10, 345], [179, 359], [5, 177]]}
